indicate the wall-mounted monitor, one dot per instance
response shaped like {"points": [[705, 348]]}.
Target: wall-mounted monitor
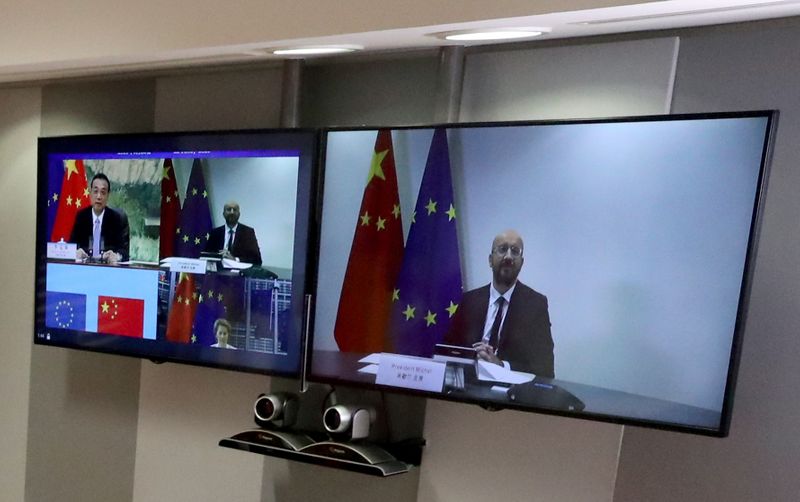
{"points": [[183, 247], [596, 269]]}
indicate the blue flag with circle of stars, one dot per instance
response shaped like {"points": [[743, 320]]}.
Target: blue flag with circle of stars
{"points": [[428, 288], [55, 178], [194, 224], [65, 310], [220, 297]]}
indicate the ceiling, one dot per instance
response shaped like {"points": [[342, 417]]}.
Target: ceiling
{"points": [[651, 15]]}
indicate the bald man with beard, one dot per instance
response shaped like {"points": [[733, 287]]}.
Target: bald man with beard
{"points": [[233, 239], [506, 321]]}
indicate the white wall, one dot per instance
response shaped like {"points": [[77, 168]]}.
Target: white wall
{"points": [[19, 126]]}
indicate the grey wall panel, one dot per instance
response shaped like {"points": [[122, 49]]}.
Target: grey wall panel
{"points": [[477, 455], [242, 99], [745, 67], [574, 81], [98, 107], [83, 422], [82, 426], [397, 91], [20, 111], [184, 411], [534, 457]]}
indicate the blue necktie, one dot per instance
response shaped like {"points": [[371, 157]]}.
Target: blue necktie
{"points": [[96, 238]]}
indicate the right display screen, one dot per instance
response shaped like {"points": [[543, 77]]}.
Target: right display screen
{"points": [[597, 269]]}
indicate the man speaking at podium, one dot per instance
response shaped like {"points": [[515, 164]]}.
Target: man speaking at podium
{"points": [[100, 231], [506, 321], [233, 239]]}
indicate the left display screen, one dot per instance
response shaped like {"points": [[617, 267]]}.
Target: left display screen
{"points": [[182, 247]]}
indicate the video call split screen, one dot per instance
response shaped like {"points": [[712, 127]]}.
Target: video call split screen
{"points": [[597, 269]]}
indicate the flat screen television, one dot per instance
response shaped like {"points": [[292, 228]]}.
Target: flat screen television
{"points": [[159, 276], [622, 249]]}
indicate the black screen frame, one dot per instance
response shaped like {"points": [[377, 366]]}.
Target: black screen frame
{"points": [[744, 297], [304, 141]]}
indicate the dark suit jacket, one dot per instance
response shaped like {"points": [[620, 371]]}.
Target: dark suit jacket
{"points": [[245, 244], [525, 339], [114, 232]]}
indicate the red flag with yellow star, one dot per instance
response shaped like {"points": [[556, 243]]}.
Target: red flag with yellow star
{"points": [[181, 314], [74, 196], [170, 211], [375, 258], [120, 316]]}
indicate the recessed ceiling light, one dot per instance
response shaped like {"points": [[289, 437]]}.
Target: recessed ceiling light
{"points": [[492, 34], [316, 50]]}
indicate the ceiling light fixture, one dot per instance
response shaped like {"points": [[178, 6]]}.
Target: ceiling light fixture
{"points": [[316, 50], [492, 34]]}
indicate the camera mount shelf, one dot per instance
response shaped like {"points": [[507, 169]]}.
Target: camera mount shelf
{"points": [[366, 458]]}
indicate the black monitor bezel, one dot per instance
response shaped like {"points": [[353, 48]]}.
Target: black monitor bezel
{"points": [[303, 140], [745, 288]]}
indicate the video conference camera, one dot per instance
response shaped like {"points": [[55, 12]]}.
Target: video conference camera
{"points": [[349, 421], [277, 410]]}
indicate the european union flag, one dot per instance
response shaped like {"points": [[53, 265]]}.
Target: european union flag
{"points": [[429, 286], [65, 310], [194, 226], [55, 178], [219, 297]]}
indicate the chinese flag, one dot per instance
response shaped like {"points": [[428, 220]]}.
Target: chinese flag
{"points": [[375, 258], [120, 316], [181, 314], [170, 211], [74, 196]]}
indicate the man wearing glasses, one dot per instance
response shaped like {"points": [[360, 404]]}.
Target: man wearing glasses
{"points": [[506, 321]]}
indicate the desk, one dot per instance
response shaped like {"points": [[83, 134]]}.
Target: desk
{"points": [[601, 402]]}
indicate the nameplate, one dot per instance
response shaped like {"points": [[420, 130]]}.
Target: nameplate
{"points": [[410, 372], [187, 265], [62, 250]]}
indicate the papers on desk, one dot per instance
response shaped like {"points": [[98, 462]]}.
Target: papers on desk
{"points": [[139, 263], [372, 362], [490, 372], [236, 265], [374, 358], [370, 369]]}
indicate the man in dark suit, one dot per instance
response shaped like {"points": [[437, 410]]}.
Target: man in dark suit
{"points": [[100, 231], [233, 239], [506, 321]]}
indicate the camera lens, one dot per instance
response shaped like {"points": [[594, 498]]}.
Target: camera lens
{"points": [[332, 419], [265, 408]]}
